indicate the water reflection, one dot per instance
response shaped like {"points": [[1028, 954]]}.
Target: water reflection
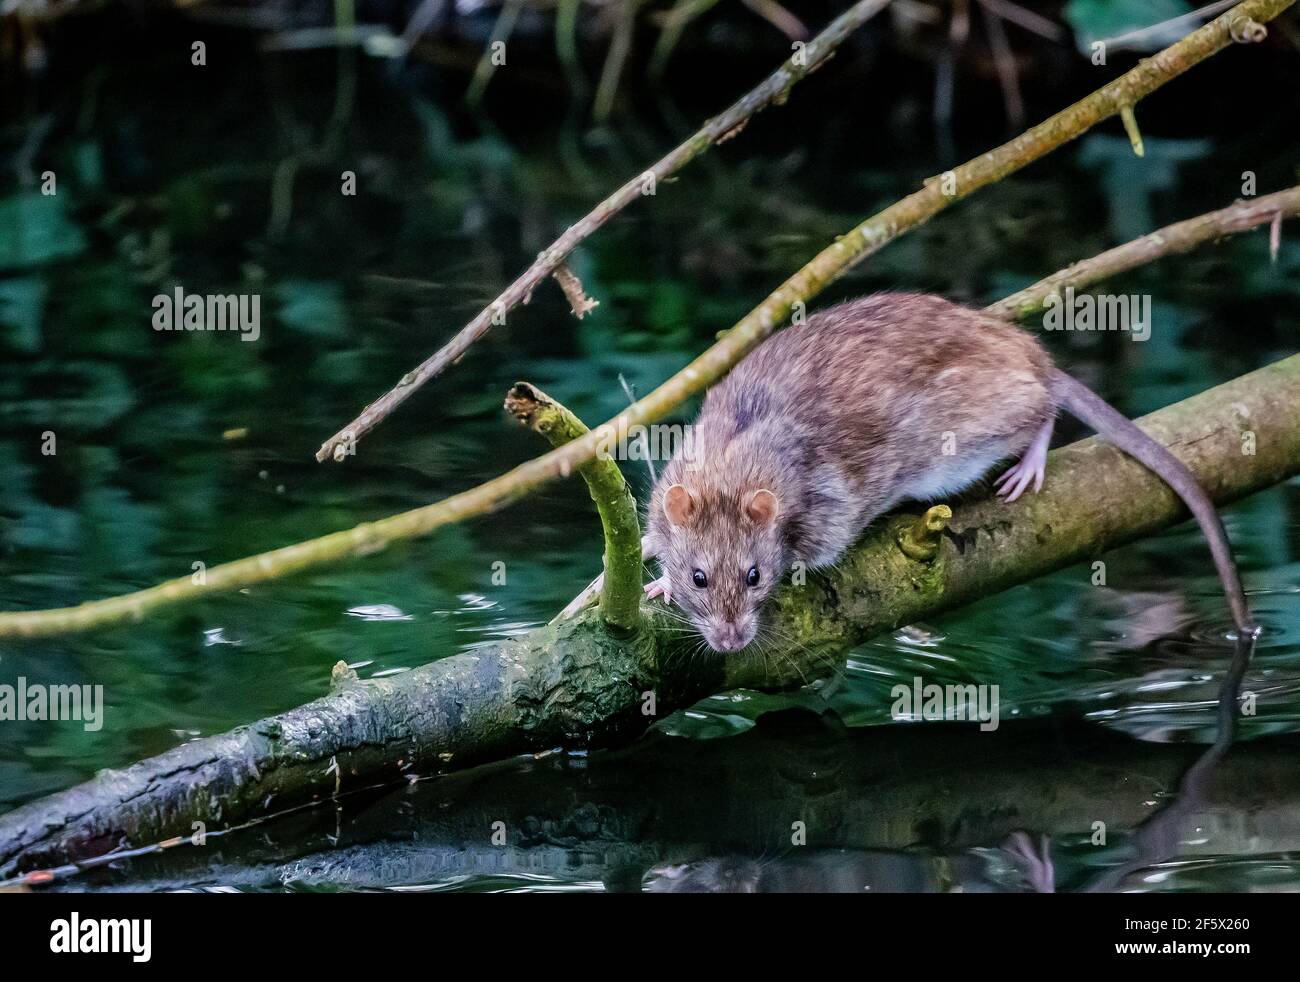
{"points": [[1032, 807], [1159, 838]]}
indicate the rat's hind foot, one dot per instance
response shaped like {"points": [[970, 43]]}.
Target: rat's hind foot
{"points": [[1013, 483], [659, 588]]}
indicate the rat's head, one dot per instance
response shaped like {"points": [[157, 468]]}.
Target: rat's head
{"points": [[723, 554]]}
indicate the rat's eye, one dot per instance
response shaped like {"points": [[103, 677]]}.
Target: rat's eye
{"points": [[752, 576], [699, 579]]}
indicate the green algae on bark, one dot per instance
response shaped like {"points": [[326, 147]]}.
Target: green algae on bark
{"points": [[620, 596]]}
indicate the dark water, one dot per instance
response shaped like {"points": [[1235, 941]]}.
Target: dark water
{"points": [[1105, 691]]}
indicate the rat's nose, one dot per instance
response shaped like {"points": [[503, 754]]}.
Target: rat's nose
{"points": [[729, 637]]}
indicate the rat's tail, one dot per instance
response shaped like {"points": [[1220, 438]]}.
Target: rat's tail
{"points": [[1110, 423]]}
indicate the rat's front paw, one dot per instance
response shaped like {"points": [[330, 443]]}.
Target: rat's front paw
{"points": [[659, 588]]}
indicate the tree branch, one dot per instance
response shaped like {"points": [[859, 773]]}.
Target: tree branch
{"points": [[774, 89], [620, 597], [1182, 236]]}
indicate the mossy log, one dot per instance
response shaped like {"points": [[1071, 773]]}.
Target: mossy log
{"points": [[574, 684]]}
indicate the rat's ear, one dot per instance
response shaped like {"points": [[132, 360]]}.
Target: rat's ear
{"points": [[678, 504], [761, 507]]}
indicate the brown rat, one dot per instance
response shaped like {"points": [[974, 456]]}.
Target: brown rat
{"points": [[830, 423]]}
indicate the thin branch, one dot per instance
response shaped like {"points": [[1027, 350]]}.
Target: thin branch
{"points": [[780, 18], [673, 23], [1179, 237], [423, 19], [772, 90], [611, 73], [566, 44], [1027, 19], [642, 439], [1135, 38], [1129, 119], [1005, 61], [620, 596], [487, 64]]}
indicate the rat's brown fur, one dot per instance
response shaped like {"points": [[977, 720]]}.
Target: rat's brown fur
{"points": [[869, 403], [894, 397]]}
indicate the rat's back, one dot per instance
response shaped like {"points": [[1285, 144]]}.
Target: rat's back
{"points": [[900, 395]]}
